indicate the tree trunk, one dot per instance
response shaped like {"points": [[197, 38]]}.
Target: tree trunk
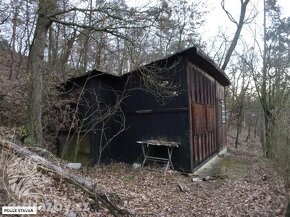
{"points": [[237, 136], [249, 134], [239, 126], [85, 184], [66, 52], [263, 97], [237, 33], [13, 40], [35, 70], [52, 48], [269, 124], [263, 141]]}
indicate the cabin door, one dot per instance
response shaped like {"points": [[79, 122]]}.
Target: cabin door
{"points": [[202, 93]]}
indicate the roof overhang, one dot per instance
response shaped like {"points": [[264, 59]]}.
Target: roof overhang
{"points": [[192, 54]]}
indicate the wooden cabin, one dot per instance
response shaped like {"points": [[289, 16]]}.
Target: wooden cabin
{"points": [[178, 98]]}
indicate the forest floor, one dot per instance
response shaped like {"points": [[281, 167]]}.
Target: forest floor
{"points": [[245, 185]]}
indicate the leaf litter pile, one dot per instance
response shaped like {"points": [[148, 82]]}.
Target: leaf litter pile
{"points": [[241, 184]]}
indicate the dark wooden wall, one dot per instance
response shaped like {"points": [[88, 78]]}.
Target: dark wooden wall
{"points": [[103, 95], [192, 117], [100, 92], [147, 119]]}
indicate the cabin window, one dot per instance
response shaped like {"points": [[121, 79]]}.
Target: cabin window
{"points": [[223, 111]]}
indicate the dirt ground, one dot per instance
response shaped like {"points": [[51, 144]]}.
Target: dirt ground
{"points": [[244, 184]]}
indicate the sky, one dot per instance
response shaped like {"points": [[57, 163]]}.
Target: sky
{"points": [[216, 17]]}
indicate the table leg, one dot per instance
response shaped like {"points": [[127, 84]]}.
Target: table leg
{"points": [[169, 150], [145, 153], [167, 166]]}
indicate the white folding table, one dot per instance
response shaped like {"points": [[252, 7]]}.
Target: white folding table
{"points": [[169, 145]]}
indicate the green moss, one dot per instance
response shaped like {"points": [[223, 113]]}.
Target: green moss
{"points": [[233, 166], [78, 151]]}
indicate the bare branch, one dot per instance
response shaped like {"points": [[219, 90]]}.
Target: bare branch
{"points": [[251, 17], [104, 29], [4, 20], [237, 33], [137, 15], [62, 12], [105, 11], [230, 16]]}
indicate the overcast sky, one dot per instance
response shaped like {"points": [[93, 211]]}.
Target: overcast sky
{"points": [[216, 18]]}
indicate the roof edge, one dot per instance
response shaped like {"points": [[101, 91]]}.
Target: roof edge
{"points": [[194, 50], [203, 55]]}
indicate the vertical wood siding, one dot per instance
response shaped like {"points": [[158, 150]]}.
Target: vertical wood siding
{"points": [[204, 92]]}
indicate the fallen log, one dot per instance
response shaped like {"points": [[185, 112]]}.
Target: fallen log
{"points": [[85, 184]]}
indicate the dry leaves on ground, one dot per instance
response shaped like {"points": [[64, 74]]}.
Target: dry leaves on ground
{"points": [[247, 185]]}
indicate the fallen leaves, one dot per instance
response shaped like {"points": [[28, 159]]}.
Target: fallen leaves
{"points": [[247, 185]]}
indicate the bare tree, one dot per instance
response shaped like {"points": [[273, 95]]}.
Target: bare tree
{"points": [[3, 15], [35, 69], [241, 92], [239, 24], [59, 37], [91, 113], [274, 84], [4, 20], [48, 13]]}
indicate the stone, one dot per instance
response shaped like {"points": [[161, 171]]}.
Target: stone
{"points": [[75, 166]]}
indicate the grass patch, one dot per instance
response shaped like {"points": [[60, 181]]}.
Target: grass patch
{"points": [[233, 167]]}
